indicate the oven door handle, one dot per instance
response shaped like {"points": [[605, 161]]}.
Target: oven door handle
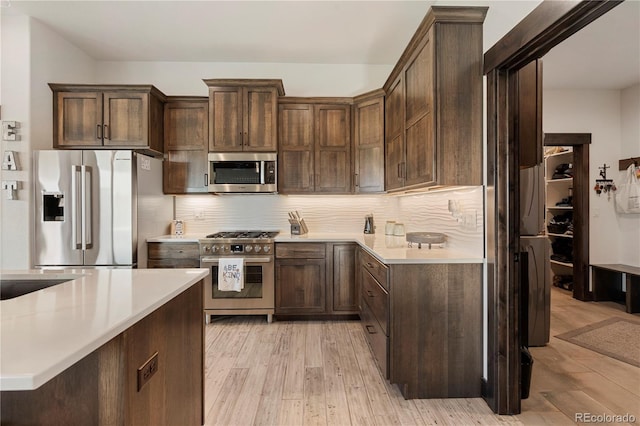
{"points": [[214, 260]]}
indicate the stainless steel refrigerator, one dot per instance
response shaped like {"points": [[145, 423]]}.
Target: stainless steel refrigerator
{"points": [[535, 275], [96, 208]]}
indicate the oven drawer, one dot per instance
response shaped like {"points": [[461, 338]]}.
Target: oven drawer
{"points": [[301, 250], [377, 339], [377, 300], [375, 268]]}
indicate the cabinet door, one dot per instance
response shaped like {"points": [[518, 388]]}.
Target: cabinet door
{"points": [[186, 125], [185, 172], [369, 146], [394, 137], [333, 148], [225, 119], [420, 147], [261, 119], [300, 286], [345, 297], [126, 119], [296, 140], [78, 119], [186, 144]]}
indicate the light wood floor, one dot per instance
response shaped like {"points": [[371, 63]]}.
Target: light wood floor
{"points": [[322, 373], [312, 373], [569, 379]]}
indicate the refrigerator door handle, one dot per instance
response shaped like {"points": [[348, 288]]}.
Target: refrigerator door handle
{"points": [[76, 224], [87, 240]]}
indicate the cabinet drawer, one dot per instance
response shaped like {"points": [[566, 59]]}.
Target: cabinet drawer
{"points": [[301, 250], [173, 251], [375, 268], [378, 341], [173, 263], [377, 299]]}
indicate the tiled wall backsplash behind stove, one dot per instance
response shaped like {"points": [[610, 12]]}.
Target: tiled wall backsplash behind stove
{"points": [[340, 213]]}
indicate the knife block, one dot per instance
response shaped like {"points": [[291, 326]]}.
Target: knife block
{"points": [[296, 229]]}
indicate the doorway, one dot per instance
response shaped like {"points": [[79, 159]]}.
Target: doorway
{"points": [[548, 25]]}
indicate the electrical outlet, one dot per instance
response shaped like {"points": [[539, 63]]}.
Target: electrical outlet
{"points": [[147, 370], [470, 219], [198, 214]]}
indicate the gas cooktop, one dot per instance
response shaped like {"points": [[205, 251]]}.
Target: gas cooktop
{"points": [[244, 234]]}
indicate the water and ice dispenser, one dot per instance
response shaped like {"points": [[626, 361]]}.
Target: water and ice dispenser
{"points": [[53, 207]]}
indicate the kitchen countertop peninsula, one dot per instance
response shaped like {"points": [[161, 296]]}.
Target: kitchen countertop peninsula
{"points": [[47, 331], [388, 249]]}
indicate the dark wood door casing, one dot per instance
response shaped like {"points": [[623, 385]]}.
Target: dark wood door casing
{"points": [[548, 25]]}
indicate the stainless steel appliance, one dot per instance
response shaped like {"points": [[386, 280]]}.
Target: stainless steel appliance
{"points": [[256, 249], [243, 172], [534, 259], [96, 208]]}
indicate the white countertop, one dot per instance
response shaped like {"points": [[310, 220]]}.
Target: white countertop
{"points": [[387, 249], [47, 331]]}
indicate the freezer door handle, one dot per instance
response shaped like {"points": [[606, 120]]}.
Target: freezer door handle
{"points": [[76, 223], [87, 240]]}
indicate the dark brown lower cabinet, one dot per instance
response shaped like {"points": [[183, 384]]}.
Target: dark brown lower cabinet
{"points": [[315, 279], [173, 255], [423, 323], [104, 389], [436, 330]]}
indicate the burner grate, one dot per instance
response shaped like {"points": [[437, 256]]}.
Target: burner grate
{"points": [[244, 234]]}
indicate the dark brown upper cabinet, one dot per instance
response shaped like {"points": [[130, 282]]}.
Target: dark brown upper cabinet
{"points": [[186, 143], [368, 142], [243, 114], [433, 105], [315, 145], [108, 116]]}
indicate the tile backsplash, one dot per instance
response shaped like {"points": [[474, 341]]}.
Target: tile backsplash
{"points": [[205, 214]]}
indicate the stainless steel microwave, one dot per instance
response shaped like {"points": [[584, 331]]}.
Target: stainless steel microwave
{"points": [[243, 172]]}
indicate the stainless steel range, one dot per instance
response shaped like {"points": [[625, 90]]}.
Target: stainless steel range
{"points": [[255, 249]]}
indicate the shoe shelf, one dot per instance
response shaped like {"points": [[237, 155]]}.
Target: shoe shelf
{"points": [[559, 218]]}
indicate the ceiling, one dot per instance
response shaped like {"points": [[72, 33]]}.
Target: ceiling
{"points": [[327, 32]]}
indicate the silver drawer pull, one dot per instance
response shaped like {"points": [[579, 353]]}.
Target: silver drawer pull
{"points": [[369, 293], [369, 265]]}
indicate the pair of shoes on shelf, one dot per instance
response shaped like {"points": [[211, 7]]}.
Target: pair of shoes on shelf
{"points": [[565, 202]]}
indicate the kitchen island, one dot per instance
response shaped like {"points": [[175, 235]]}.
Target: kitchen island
{"points": [[108, 346]]}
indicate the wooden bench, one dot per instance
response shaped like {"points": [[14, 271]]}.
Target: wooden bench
{"points": [[607, 285]]}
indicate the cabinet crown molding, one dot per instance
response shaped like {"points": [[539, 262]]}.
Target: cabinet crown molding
{"points": [[436, 15], [252, 82], [147, 88]]}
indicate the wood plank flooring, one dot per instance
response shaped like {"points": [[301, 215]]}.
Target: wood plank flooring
{"points": [[312, 373], [322, 373], [569, 379]]}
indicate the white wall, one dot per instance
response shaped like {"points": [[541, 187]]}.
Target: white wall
{"points": [[15, 69], [607, 116], [629, 225], [32, 56], [185, 78]]}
